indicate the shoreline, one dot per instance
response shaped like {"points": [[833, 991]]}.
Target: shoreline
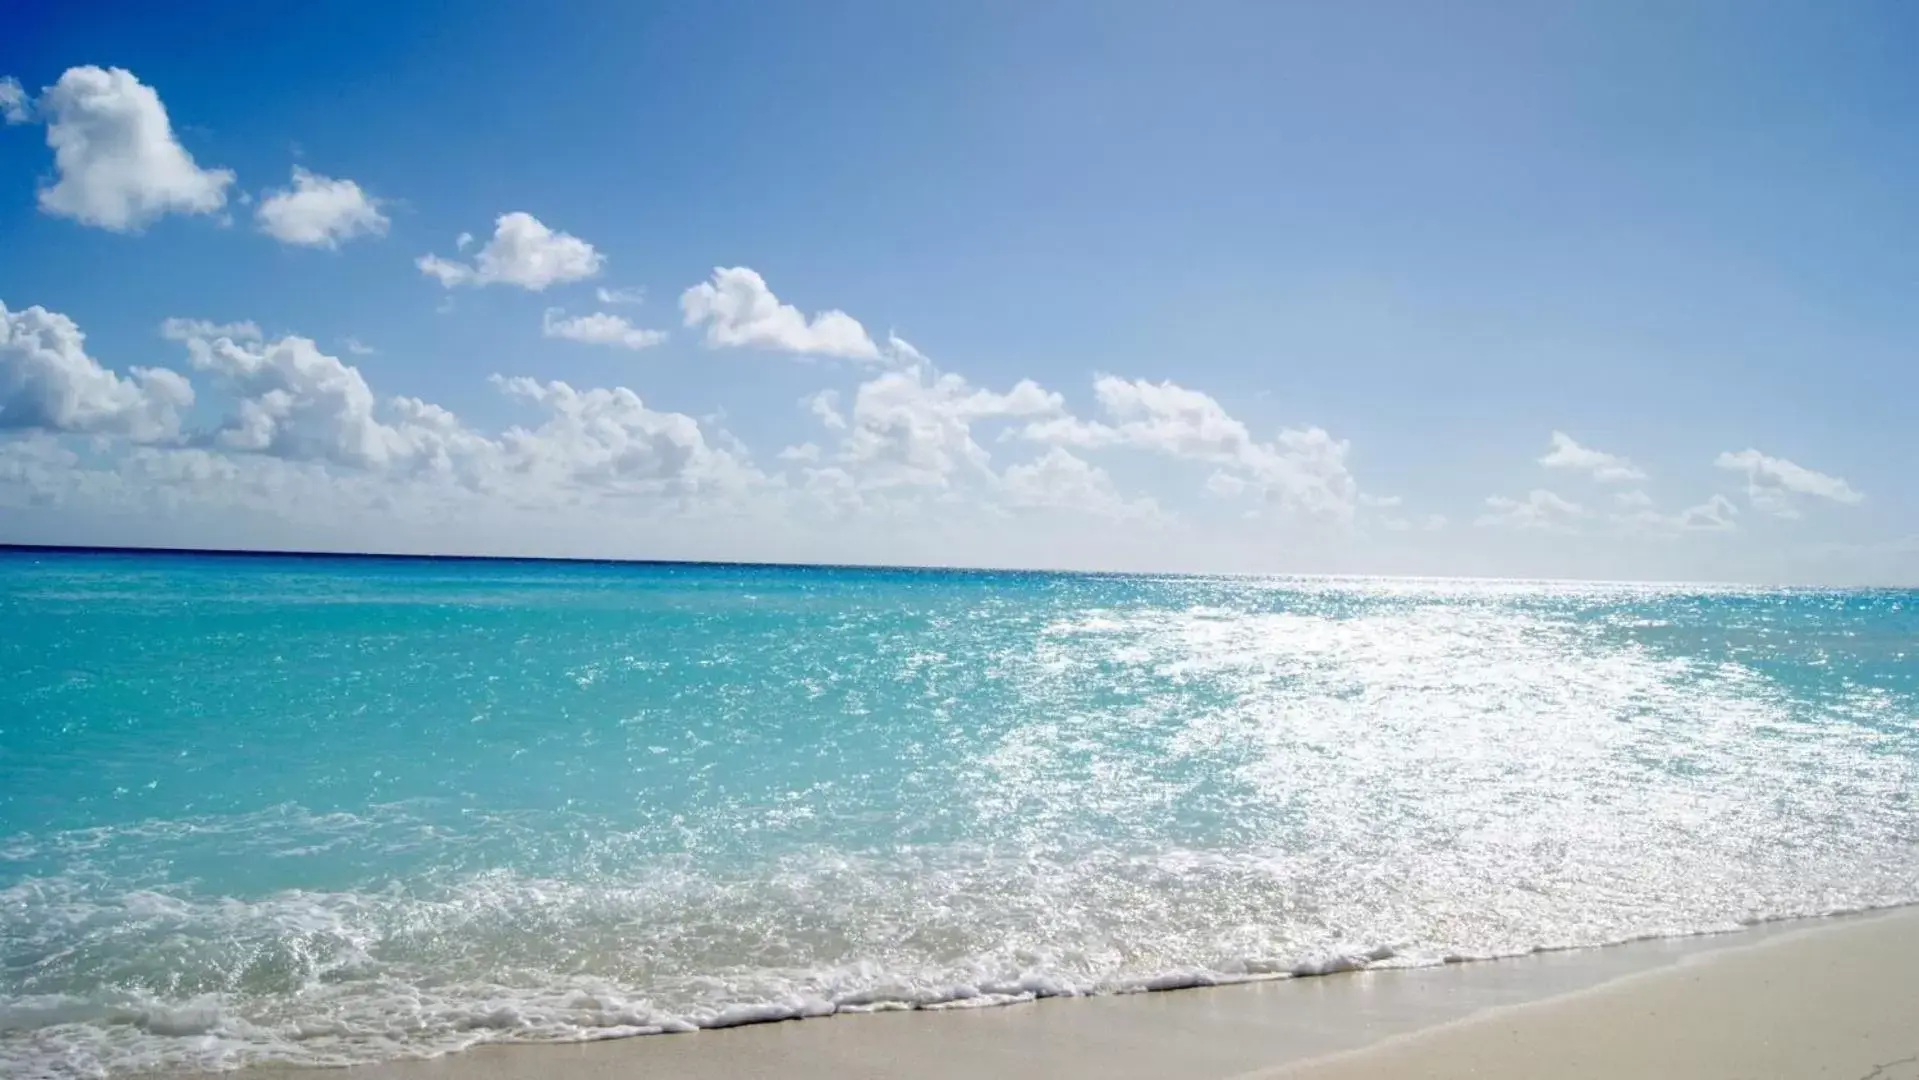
{"points": [[1822, 1001], [1381, 1022]]}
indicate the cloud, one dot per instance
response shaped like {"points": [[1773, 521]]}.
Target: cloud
{"points": [[805, 452], [1168, 417], [834, 490], [1301, 470], [1605, 468], [1305, 470], [299, 403], [609, 440], [48, 383], [448, 272], [14, 106], [1635, 509], [319, 212], [902, 351], [1225, 485], [738, 310], [177, 329], [1714, 515], [1162, 416], [1058, 480], [35, 470], [914, 427], [635, 295], [1541, 510], [308, 452], [598, 328], [826, 406], [1772, 483], [119, 165], [357, 347], [523, 252]]}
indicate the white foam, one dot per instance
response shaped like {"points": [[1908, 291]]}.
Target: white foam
{"points": [[59, 1039], [193, 1018]]}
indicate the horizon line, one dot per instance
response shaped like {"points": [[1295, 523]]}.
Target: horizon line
{"points": [[746, 564]]}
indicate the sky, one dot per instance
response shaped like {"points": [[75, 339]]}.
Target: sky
{"points": [[1625, 290]]}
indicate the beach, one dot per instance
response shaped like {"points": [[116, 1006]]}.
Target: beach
{"points": [[1821, 998], [837, 541], [1833, 1001]]}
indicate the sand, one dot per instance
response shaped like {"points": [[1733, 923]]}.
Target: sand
{"points": [[1839, 1001], [1830, 998]]}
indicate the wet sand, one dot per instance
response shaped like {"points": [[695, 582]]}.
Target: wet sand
{"points": [[1824, 998]]}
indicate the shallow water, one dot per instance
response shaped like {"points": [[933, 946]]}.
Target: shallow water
{"points": [[340, 810]]}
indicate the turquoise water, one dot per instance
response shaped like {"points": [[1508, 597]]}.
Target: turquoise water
{"points": [[340, 810]]}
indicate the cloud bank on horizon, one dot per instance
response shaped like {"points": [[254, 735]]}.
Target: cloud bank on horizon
{"points": [[239, 433]]}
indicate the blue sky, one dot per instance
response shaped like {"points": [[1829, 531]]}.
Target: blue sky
{"points": [[1251, 287]]}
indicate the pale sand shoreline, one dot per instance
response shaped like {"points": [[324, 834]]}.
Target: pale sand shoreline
{"points": [[1834, 997], [1840, 1001]]}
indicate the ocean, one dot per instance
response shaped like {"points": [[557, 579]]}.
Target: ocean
{"points": [[335, 810]]}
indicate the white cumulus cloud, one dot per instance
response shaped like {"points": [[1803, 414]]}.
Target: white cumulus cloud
{"points": [[48, 383], [319, 211], [1603, 467], [739, 310], [295, 401], [14, 106], [119, 165], [447, 271], [915, 427], [609, 439], [306, 442], [298, 404], [1060, 480], [522, 252], [1303, 470], [1773, 484], [635, 295], [826, 406], [598, 328]]}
